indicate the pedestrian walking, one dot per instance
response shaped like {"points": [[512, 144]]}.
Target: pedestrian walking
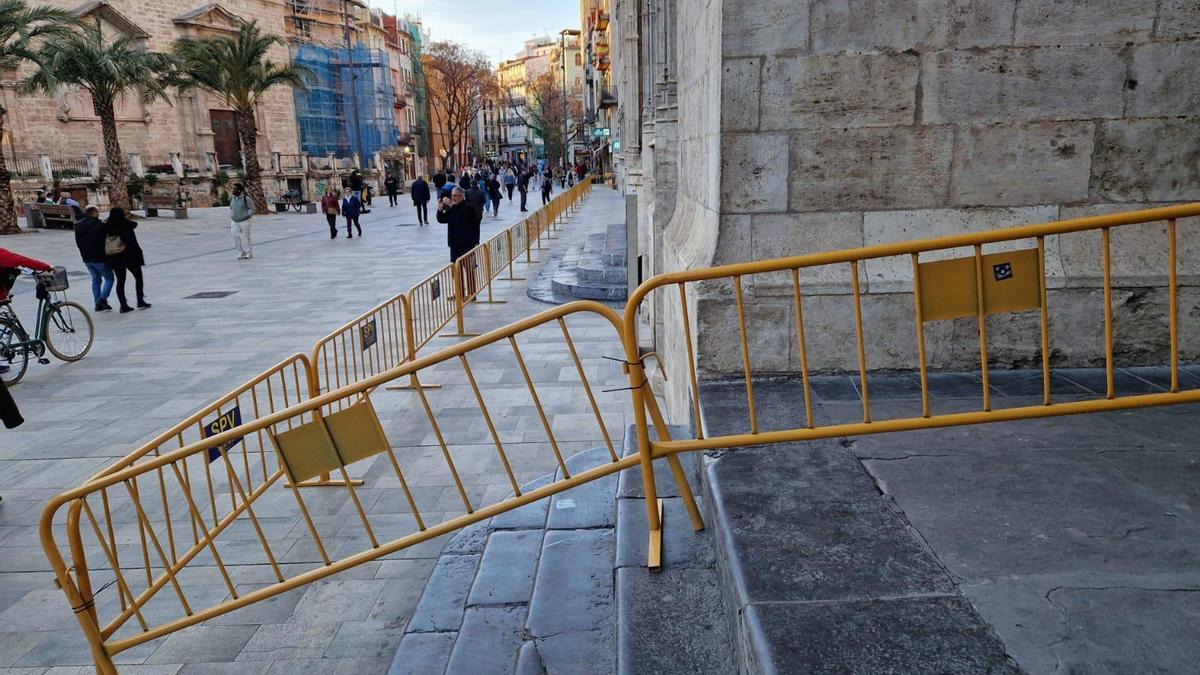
{"points": [[241, 212], [90, 235], [129, 259], [493, 191], [475, 198], [10, 268], [523, 187], [9, 413], [351, 208], [547, 186], [510, 181], [329, 206], [392, 185], [420, 197]]}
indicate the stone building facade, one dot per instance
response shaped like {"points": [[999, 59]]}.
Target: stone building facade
{"points": [[66, 124], [782, 127]]}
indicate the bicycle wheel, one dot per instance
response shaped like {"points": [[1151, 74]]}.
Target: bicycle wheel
{"points": [[12, 353], [68, 331]]}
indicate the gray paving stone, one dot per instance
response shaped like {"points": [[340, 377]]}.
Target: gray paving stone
{"points": [[203, 643], [573, 591], [488, 642], [507, 569], [423, 653], [365, 640], [442, 604], [529, 661], [812, 516], [470, 539], [529, 515], [592, 504], [913, 635], [672, 621], [584, 652]]}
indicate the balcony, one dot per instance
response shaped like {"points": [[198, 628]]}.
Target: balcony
{"points": [[404, 138], [608, 99], [399, 102], [602, 63]]}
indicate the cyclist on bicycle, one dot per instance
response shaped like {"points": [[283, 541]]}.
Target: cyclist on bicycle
{"points": [[10, 268]]}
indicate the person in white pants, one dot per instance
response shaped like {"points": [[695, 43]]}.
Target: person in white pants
{"points": [[241, 211]]}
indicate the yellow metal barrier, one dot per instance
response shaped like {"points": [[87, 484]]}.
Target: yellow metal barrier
{"points": [[962, 276], [375, 341], [432, 305], [169, 586]]}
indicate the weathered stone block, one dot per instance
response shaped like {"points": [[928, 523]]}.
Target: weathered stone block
{"points": [[876, 25], [753, 28], [1147, 160], [1009, 164], [894, 274], [719, 347], [740, 94], [1168, 82], [790, 234], [754, 170], [734, 238], [1004, 85], [1138, 252], [1054, 22], [832, 170], [1178, 19], [844, 90]]}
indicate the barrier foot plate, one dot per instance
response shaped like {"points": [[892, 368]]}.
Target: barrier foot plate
{"points": [[460, 334], [326, 482], [513, 279], [402, 387], [490, 302], [654, 550]]}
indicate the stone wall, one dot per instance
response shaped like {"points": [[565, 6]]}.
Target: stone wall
{"points": [[66, 125], [856, 122]]}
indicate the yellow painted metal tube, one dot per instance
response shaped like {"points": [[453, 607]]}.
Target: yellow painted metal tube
{"points": [[1173, 308]]}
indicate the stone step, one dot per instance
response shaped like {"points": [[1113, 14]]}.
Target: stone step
{"points": [[527, 591], [671, 621]]}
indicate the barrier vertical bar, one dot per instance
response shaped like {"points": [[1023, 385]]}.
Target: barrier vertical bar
{"points": [[916, 268], [862, 350], [1045, 321], [981, 318], [1108, 319], [1173, 302]]}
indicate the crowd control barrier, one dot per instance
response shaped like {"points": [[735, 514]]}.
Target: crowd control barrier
{"points": [[140, 524]]}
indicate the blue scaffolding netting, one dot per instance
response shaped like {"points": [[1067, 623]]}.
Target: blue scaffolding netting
{"points": [[345, 79]]}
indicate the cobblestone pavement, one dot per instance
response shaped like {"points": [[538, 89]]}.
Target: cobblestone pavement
{"points": [[149, 369]]}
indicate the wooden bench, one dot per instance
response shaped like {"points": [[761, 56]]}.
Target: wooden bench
{"points": [[152, 203], [58, 215]]}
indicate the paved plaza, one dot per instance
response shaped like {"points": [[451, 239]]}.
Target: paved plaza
{"points": [[150, 369]]}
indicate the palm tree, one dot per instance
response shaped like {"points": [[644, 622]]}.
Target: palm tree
{"points": [[237, 71], [106, 72], [20, 28]]}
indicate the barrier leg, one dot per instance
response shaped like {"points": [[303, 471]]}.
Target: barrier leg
{"points": [[459, 302], [512, 258], [654, 507]]}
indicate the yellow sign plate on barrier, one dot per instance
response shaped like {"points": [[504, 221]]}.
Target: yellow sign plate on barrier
{"points": [[1011, 283], [356, 432], [307, 451]]}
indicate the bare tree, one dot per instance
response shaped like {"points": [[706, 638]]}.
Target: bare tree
{"points": [[549, 111], [459, 80]]}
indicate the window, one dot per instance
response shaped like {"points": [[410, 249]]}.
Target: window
{"points": [[578, 59]]}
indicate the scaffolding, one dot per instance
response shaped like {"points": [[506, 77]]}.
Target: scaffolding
{"points": [[347, 107]]}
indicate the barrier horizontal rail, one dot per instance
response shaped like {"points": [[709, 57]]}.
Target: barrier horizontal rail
{"points": [[979, 283], [374, 341], [326, 433]]}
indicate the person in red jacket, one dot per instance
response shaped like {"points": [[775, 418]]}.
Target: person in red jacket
{"points": [[10, 264], [10, 268]]}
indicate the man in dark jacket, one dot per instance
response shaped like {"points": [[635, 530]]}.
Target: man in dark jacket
{"points": [[462, 231], [90, 232], [420, 197], [351, 208], [523, 186], [391, 185], [476, 199]]}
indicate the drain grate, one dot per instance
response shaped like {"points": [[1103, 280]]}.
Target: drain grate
{"points": [[208, 295]]}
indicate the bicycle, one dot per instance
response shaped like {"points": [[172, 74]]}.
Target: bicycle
{"points": [[64, 328]]}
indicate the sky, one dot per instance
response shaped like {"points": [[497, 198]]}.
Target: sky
{"points": [[498, 28]]}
